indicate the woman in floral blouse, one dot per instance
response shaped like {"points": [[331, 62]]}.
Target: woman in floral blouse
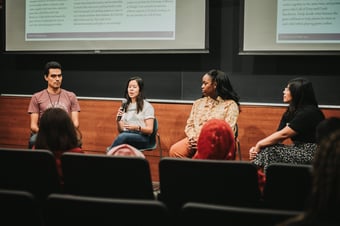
{"points": [[219, 101]]}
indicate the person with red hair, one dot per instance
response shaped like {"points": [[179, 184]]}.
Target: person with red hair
{"points": [[216, 141]]}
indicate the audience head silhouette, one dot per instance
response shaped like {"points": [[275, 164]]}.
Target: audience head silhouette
{"points": [[326, 127], [216, 141], [325, 199], [56, 131], [324, 202]]}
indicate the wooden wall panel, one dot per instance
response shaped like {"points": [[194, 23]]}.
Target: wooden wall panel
{"points": [[98, 126], [14, 121]]}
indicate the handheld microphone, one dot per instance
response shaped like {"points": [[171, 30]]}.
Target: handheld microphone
{"points": [[122, 107]]}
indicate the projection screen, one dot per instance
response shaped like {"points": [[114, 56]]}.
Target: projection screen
{"points": [[290, 27], [106, 26]]}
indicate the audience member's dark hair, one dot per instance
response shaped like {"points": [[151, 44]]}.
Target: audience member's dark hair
{"points": [[325, 201], [326, 127], [56, 131], [323, 207]]}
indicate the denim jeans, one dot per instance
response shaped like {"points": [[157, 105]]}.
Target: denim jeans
{"points": [[32, 139], [135, 139]]}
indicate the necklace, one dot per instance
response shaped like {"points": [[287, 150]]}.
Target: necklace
{"points": [[57, 103]]}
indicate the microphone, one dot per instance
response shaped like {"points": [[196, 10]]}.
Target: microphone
{"points": [[122, 107]]}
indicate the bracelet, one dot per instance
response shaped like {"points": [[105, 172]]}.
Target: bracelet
{"points": [[139, 128]]}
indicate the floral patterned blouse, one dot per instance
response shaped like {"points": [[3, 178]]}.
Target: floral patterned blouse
{"points": [[207, 108]]}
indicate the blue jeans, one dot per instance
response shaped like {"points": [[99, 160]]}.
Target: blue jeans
{"points": [[134, 139], [32, 139]]}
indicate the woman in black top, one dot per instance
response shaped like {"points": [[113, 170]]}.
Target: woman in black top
{"points": [[298, 123]]}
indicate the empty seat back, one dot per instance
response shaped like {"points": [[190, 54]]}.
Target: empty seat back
{"points": [[34, 171], [287, 186], [107, 176], [208, 181]]}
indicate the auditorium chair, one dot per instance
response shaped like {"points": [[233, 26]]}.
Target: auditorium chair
{"points": [[287, 186], [155, 140], [237, 144], [63, 209], [227, 182], [34, 171], [212, 214], [107, 176], [19, 208]]}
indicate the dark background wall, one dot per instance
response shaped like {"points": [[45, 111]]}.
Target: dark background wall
{"points": [[257, 79]]}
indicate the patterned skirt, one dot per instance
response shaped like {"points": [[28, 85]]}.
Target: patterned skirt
{"points": [[302, 153]]}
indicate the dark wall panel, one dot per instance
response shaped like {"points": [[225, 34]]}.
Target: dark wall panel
{"points": [[258, 79]]}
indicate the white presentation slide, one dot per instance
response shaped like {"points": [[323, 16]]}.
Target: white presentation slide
{"points": [[308, 21], [100, 20]]}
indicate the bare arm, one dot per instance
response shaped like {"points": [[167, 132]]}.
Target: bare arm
{"points": [[274, 138], [148, 129], [34, 122], [75, 118]]}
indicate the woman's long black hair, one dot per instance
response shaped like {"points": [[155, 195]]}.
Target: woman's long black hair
{"points": [[224, 88], [140, 97], [302, 92]]}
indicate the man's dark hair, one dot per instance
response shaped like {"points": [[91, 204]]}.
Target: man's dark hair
{"points": [[51, 64]]}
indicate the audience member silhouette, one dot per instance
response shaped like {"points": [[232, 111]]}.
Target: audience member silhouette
{"points": [[326, 127], [58, 134], [324, 203], [216, 141]]}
